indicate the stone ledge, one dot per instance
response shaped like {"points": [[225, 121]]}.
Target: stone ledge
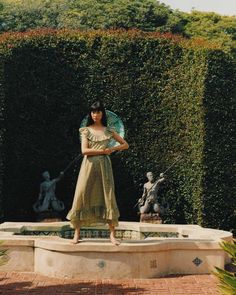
{"points": [[196, 250], [63, 245]]}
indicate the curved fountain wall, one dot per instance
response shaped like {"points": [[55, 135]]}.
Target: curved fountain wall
{"points": [[146, 250]]}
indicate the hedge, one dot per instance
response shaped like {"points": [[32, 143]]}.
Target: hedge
{"points": [[174, 96], [2, 130]]}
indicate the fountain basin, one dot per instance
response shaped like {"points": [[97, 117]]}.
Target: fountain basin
{"points": [[146, 250]]}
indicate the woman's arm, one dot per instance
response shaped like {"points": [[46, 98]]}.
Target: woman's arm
{"points": [[123, 144], [92, 152]]}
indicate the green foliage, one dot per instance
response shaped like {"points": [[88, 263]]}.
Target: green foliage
{"points": [[3, 255], [211, 26], [230, 248], [175, 97], [21, 15], [227, 279], [147, 15], [220, 142], [2, 130]]}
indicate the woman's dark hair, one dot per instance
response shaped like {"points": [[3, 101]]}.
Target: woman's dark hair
{"points": [[96, 107]]}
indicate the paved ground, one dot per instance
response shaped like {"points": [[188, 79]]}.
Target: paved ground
{"points": [[30, 283]]}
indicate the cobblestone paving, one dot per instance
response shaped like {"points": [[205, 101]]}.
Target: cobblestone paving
{"points": [[23, 283]]}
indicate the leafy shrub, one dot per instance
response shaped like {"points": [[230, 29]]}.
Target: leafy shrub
{"points": [[227, 279], [3, 255]]}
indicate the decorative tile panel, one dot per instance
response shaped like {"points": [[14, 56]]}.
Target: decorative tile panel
{"points": [[98, 233], [197, 261], [153, 264], [101, 264]]}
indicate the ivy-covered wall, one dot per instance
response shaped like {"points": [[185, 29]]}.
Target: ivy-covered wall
{"points": [[219, 161], [2, 131], [175, 98]]}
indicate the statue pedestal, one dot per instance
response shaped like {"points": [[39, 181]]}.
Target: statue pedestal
{"points": [[48, 216], [150, 218]]}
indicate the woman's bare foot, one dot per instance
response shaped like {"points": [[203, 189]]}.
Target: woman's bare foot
{"points": [[76, 237], [75, 241], [114, 240], [112, 235]]}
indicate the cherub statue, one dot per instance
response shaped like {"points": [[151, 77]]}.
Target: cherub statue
{"points": [[47, 199]]}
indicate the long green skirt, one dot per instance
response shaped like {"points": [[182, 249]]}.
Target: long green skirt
{"points": [[94, 200]]}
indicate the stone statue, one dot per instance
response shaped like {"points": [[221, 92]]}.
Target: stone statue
{"points": [[149, 202], [47, 199]]}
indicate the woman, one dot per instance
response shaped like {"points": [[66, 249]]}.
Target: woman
{"points": [[94, 199]]}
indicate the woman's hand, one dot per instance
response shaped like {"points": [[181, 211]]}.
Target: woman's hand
{"points": [[108, 151]]}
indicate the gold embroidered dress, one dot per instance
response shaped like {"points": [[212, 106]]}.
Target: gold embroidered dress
{"points": [[94, 199]]}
